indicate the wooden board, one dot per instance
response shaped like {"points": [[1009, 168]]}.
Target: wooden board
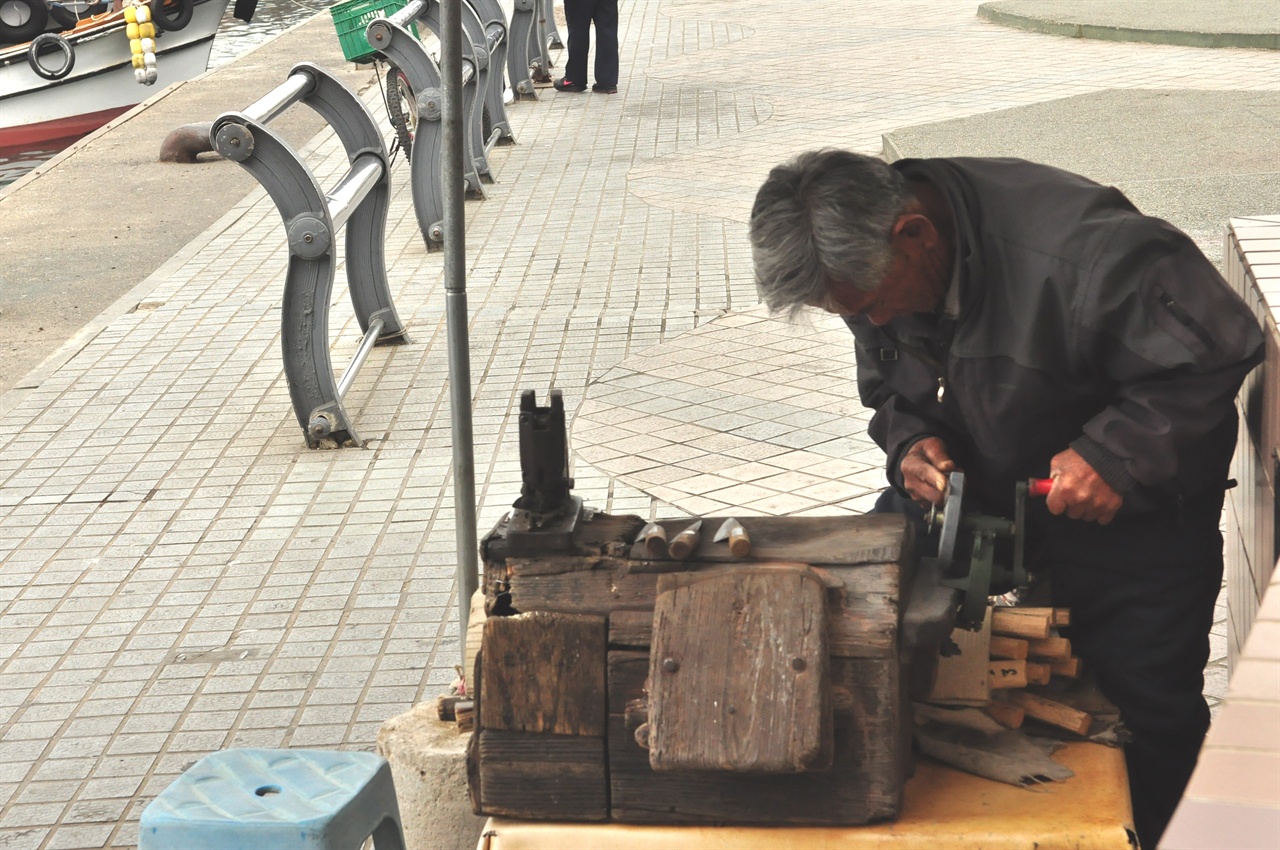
{"points": [[863, 784], [862, 601], [544, 673], [738, 673], [963, 679], [551, 777]]}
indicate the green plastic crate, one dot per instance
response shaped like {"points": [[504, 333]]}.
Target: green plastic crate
{"points": [[352, 17]]}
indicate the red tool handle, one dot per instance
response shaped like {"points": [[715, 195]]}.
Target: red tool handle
{"points": [[1039, 486]]}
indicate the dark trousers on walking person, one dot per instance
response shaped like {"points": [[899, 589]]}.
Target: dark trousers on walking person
{"points": [[1141, 592], [580, 15]]}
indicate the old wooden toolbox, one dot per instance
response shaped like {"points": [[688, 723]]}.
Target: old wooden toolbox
{"points": [[616, 685]]}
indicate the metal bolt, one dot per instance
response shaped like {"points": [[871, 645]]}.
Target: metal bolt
{"points": [[308, 238], [797, 664], [670, 665], [235, 143]]}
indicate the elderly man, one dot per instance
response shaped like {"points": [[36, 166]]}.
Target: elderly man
{"points": [[1014, 320]]}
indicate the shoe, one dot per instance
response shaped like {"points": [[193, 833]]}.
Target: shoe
{"points": [[564, 84], [601, 88]]}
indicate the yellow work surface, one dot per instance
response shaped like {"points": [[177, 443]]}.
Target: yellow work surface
{"points": [[945, 809]]}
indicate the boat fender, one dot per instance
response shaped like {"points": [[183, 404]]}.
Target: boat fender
{"points": [[40, 46], [62, 17], [23, 20], [173, 15]]}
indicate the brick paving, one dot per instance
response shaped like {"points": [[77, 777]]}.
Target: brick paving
{"points": [[180, 574]]}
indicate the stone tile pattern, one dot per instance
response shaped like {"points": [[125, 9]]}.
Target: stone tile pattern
{"points": [[746, 413], [177, 574]]}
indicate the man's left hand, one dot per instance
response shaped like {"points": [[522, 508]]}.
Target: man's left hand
{"points": [[1079, 492]]}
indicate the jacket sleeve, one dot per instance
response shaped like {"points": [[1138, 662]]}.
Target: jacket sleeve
{"points": [[897, 424], [1175, 349]]}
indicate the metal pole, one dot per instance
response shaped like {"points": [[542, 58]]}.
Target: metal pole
{"points": [[455, 285], [366, 345]]}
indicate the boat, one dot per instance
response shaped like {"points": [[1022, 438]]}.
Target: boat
{"points": [[65, 71]]}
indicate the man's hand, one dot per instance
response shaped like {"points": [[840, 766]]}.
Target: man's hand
{"points": [[1078, 491], [924, 471]]}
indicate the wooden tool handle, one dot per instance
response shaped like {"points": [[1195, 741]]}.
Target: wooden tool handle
{"points": [[683, 544], [655, 539], [739, 542]]}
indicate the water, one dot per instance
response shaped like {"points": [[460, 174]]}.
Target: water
{"points": [[234, 38]]}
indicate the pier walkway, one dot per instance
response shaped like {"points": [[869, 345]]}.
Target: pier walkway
{"points": [[180, 574]]}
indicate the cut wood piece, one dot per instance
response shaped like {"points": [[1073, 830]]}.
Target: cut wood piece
{"points": [[1007, 674], [1037, 673], [739, 673], [1009, 647], [1051, 712], [549, 777], [544, 673], [963, 679], [1052, 647], [1067, 667], [1018, 623], [1062, 616], [1009, 716]]}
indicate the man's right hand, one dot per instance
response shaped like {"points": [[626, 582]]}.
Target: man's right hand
{"points": [[924, 469]]}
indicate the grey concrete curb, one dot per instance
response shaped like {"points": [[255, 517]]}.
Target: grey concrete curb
{"points": [[1102, 32]]}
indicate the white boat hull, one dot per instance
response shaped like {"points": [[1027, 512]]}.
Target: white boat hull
{"points": [[101, 85]]}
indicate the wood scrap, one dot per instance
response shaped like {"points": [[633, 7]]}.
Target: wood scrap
{"points": [[1009, 647], [1037, 673], [1052, 647], [1067, 667], [1015, 622], [1008, 716], [1054, 713], [1005, 673]]}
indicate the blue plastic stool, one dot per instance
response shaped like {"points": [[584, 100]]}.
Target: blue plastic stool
{"points": [[280, 799]]}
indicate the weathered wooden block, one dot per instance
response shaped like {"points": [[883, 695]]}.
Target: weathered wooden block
{"points": [[560, 776], [544, 673], [863, 784], [738, 672]]}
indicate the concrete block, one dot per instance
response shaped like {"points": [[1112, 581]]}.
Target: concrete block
{"points": [[429, 764]]}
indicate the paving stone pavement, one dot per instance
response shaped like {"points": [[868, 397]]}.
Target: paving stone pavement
{"points": [[180, 574]]}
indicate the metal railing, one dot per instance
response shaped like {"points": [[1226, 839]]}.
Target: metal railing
{"points": [[528, 57], [312, 218], [484, 49]]}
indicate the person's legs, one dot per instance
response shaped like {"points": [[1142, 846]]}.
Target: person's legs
{"points": [[1141, 594], [606, 21], [577, 15]]}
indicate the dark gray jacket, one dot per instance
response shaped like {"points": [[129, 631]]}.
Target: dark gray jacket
{"points": [[1080, 322]]}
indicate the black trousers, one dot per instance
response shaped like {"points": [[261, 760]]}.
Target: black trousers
{"points": [[1141, 592], [580, 15]]}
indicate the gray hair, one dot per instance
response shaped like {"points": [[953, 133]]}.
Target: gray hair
{"points": [[825, 215]]}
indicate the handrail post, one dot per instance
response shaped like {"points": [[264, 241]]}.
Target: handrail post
{"points": [[357, 204], [518, 61]]}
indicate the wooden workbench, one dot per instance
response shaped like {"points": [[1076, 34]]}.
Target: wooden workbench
{"points": [[945, 809]]}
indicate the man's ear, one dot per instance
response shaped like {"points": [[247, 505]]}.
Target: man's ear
{"points": [[914, 231]]}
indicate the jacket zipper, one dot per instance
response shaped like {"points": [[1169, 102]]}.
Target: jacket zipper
{"points": [[928, 360]]}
